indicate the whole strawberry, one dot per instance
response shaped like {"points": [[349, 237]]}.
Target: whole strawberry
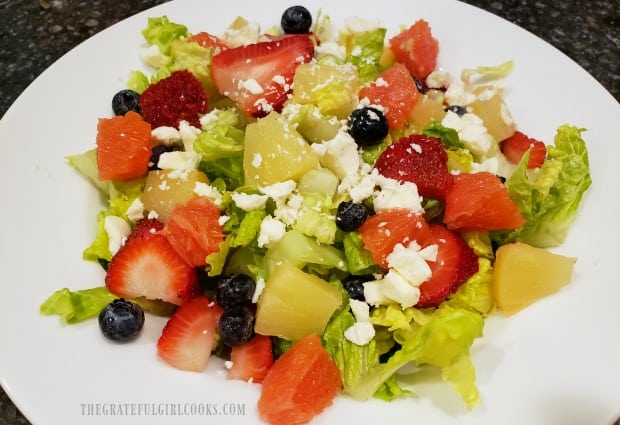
{"points": [[174, 99]]}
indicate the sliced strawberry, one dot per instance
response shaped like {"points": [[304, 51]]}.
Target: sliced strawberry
{"points": [[208, 40], [179, 97], [258, 76], [456, 262], [518, 144], [252, 360], [148, 266], [419, 159], [187, 339]]}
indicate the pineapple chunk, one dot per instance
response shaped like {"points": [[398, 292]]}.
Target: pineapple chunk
{"points": [[165, 189], [275, 152], [523, 274], [495, 115], [333, 88], [425, 111], [295, 304]]}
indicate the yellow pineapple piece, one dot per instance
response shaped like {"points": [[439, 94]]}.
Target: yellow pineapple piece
{"points": [[332, 88], [495, 114], [294, 304], [523, 274], [425, 111], [275, 152], [165, 189]]}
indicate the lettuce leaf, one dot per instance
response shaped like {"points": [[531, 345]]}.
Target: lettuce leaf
{"points": [[549, 197], [77, 306], [161, 32], [476, 292], [359, 259], [444, 341], [365, 50]]}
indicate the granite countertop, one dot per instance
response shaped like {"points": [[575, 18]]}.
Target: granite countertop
{"points": [[35, 33]]}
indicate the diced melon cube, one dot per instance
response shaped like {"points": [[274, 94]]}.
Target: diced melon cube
{"points": [[496, 116], [275, 152], [523, 274], [294, 304]]}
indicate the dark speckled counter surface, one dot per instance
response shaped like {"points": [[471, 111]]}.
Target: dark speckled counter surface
{"points": [[34, 33]]}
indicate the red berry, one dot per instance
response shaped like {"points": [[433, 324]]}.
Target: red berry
{"points": [[174, 99]]}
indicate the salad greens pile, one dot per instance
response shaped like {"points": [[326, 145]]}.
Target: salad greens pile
{"points": [[442, 337]]}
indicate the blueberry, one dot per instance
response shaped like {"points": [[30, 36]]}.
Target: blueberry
{"points": [[156, 152], [296, 20], [350, 216], [354, 285], [121, 320], [457, 109], [419, 85], [368, 126], [234, 289], [236, 326], [125, 101]]}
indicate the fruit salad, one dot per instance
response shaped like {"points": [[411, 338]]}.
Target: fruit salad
{"points": [[321, 208]]}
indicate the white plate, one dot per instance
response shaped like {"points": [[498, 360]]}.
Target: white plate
{"points": [[557, 362]]}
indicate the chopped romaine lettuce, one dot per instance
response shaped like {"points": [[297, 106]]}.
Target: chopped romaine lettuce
{"points": [[161, 32], [549, 197], [449, 137], [364, 51]]}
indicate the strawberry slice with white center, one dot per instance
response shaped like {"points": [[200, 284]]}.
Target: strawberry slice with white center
{"points": [[148, 266], [251, 360], [187, 340], [259, 76], [455, 263]]}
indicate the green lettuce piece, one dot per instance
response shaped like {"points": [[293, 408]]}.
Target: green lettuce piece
{"points": [[549, 197], [353, 361], [449, 137], [460, 160], [248, 228], [487, 74], [443, 342], [318, 225], [301, 251], [77, 306], [161, 32], [476, 292], [359, 259], [120, 195], [221, 146], [137, 81], [86, 164], [365, 51]]}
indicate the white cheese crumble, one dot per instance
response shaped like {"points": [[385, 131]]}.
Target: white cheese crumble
{"points": [[208, 191], [251, 85], [257, 160], [340, 155], [472, 132], [117, 230], [135, 211], [179, 160], [279, 190], [249, 201], [258, 289], [361, 333], [271, 230], [247, 34], [188, 133], [166, 135], [395, 194]]}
